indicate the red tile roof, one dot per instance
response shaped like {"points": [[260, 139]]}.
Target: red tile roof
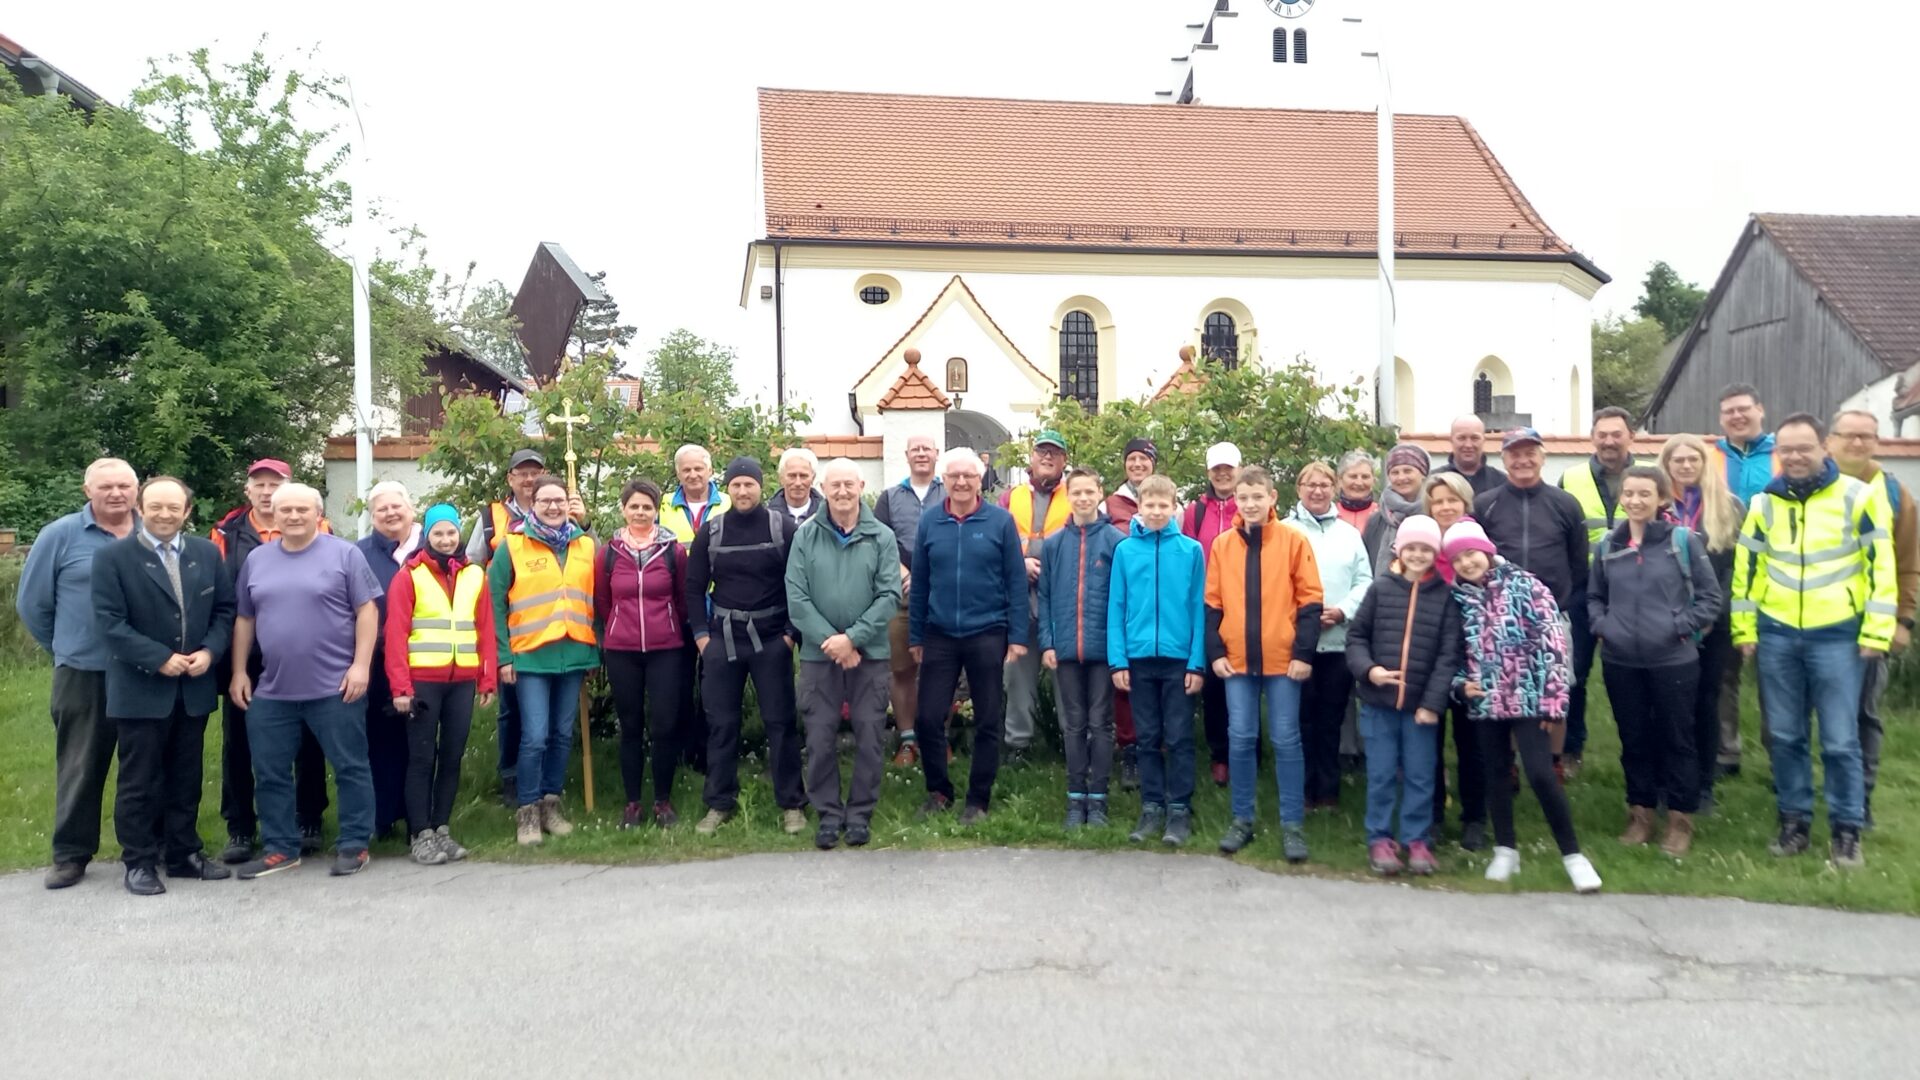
{"points": [[1184, 378], [857, 447], [907, 169], [913, 390]]}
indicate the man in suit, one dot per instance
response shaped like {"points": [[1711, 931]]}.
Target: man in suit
{"points": [[164, 605]]}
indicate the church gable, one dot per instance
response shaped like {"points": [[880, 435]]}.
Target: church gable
{"points": [[956, 324]]}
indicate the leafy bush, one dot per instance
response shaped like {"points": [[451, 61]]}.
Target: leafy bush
{"points": [[16, 645]]}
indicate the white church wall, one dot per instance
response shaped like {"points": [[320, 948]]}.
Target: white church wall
{"points": [[1240, 70], [1878, 398]]}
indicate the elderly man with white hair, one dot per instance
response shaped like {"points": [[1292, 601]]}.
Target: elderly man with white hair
{"points": [[308, 598], [798, 467], [55, 602], [394, 539], [843, 589], [698, 495], [967, 611]]}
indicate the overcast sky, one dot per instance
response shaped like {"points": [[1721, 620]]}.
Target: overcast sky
{"points": [[1640, 131]]}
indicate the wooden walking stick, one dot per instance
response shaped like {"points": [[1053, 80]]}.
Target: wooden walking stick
{"points": [[567, 417]]}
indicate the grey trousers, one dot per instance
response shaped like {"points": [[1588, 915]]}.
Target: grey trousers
{"points": [[1871, 727], [1085, 703], [824, 687], [83, 747], [1023, 683]]}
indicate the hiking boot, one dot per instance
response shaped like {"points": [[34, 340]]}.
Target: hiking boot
{"points": [[1076, 812], [1724, 770], [858, 834], [1679, 838], [1505, 864], [348, 863], [449, 845], [1130, 769], [1018, 757], [793, 821], [1570, 766], [1580, 871], [710, 824], [1097, 812], [526, 821], [1179, 826], [633, 816], [936, 804], [664, 816], [1221, 774], [972, 815], [1383, 856], [509, 790], [65, 874], [1293, 843], [309, 839], [425, 849], [827, 837], [1153, 822], [1420, 859], [239, 849], [550, 819], [1706, 806], [1845, 848], [270, 863], [1239, 835], [908, 754], [1796, 836], [1639, 826], [1473, 836]]}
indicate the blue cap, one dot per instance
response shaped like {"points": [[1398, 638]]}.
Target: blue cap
{"points": [[438, 513], [1521, 435]]}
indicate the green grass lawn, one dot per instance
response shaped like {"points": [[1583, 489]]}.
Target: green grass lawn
{"points": [[1729, 857]]}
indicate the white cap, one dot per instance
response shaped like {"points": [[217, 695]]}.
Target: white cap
{"points": [[1222, 453]]}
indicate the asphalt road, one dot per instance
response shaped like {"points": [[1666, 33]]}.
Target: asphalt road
{"points": [[979, 963]]}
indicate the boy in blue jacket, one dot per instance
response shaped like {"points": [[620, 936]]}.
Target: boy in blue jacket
{"points": [[1156, 646], [1076, 565]]}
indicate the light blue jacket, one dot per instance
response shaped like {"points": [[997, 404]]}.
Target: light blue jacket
{"points": [[1749, 471], [55, 598], [1156, 602], [1345, 572]]}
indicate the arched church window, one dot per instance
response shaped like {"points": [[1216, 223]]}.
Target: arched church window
{"points": [[1279, 44], [1482, 393], [1080, 360], [1220, 339], [1299, 46], [957, 376]]}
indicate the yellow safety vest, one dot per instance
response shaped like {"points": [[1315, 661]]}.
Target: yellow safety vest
{"points": [[1020, 505], [443, 628], [549, 602], [676, 517], [1579, 483], [1815, 564]]}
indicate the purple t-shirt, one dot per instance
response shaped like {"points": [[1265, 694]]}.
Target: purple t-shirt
{"points": [[303, 605]]}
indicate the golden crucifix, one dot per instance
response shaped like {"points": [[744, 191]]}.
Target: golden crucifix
{"points": [[567, 417]]}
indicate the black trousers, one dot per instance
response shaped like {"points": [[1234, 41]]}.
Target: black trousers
{"points": [[692, 726], [1497, 741], [236, 770], [156, 805], [724, 685], [388, 750], [646, 697], [1584, 647], [437, 731], [1323, 708], [1472, 788], [1213, 703], [82, 754], [1716, 650], [1655, 710], [942, 659]]}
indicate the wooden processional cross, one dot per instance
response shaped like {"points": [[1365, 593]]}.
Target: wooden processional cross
{"points": [[566, 416]]}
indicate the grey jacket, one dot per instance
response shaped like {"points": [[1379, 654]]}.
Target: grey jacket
{"points": [[899, 509], [1637, 602]]}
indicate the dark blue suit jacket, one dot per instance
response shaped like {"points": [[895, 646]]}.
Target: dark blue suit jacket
{"points": [[137, 616]]}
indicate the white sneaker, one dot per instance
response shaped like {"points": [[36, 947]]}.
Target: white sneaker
{"points": [[1505, 864], [1581, 872]]}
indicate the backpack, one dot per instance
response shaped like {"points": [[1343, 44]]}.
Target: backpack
{"points": [[776, 529], [1680, 543]]}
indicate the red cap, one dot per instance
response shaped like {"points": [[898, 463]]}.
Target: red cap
{"points": [[272, 465]]}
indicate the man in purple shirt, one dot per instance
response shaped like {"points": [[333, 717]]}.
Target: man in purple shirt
{"points": [[308, 598]]}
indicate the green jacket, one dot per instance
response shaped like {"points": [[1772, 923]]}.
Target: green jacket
{"points": [[843, 584]]}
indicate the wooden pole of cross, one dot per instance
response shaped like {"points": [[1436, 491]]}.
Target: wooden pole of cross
{"points": [[570, 420]]}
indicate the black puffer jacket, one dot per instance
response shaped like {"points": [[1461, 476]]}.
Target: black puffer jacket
{"points": [[1414, 630], [1540, 529]]}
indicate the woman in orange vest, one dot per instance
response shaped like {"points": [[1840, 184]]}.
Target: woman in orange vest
{"points": [[439, 652], [543, 594]]}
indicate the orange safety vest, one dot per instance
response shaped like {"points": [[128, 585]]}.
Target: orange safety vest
{"points": [[549, 602], [502, 524], [1020, 505]]}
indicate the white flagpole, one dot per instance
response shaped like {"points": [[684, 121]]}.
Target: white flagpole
{"points": [[1387, 401], [359, 256]]}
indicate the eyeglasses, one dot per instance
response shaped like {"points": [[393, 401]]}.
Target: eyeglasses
{"points": [[1857, 436], [549, 502]]}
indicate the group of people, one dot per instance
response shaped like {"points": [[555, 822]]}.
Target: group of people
{"points": [[1464, 595]]}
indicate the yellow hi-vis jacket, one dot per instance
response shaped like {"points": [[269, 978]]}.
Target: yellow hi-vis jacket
{"points": [[443, 630], [1816, 563], [1579, 482], [549, 602]]}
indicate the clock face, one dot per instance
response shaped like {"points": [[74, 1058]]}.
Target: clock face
{"points": [[1290, 9]]}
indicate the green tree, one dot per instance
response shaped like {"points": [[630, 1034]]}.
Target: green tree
{"points": [[1668, 300], [1626, 361], [599, 327], [684, 361], [484, 322]]}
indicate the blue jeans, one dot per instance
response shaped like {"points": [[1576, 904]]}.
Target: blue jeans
{"points": [[273, 735], [1163, 720], [549, 707], [1283, 730], [1803, 672], [1402, 757]]}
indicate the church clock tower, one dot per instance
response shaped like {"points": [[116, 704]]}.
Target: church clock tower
{"points": [[1289, 54]]}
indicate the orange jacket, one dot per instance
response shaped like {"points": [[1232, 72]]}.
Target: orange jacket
{"points": [[1286, 593]]}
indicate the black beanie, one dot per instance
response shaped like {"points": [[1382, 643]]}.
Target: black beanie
{"points": [[744, 466], [1142, 446]]}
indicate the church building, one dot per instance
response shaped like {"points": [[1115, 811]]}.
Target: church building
{"points": [[949, 265]]}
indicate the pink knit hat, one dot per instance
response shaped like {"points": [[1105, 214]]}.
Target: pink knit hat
{"points": [[1418, 529], [1467, 536]]}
